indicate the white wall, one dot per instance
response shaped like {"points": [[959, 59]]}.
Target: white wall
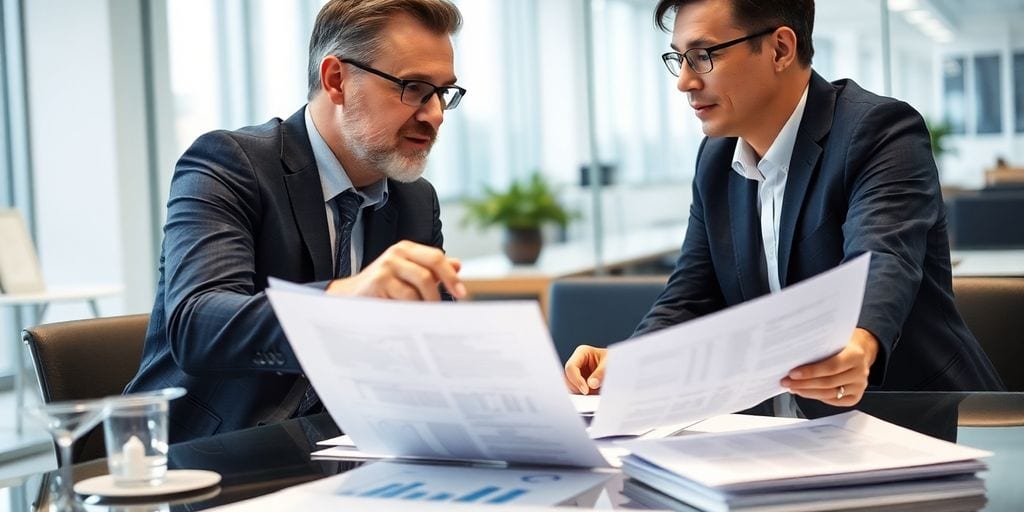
{"points": [[87, 147]]}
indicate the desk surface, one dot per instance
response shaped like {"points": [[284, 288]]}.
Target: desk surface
{"points": [[993, 263], [59, 295], [261, 460], [566, 259]]}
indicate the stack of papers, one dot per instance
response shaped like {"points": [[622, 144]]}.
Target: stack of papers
{"points": [[850, 460]]}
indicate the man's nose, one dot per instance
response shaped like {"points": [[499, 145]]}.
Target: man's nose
{"points": [[431, 112]]}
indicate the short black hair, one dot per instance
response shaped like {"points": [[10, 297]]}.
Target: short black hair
{"points": [[757, 15]]}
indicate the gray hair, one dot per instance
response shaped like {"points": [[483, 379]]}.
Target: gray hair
{"points": [[354, 28]]}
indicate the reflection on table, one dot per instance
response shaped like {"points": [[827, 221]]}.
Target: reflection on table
{"points": [[262, 460]]}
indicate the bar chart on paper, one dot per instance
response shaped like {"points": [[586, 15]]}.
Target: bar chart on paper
{"points": [[453, 484], [491, 494]]}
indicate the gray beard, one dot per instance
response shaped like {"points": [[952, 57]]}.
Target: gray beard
{"points": [[373, 148]]}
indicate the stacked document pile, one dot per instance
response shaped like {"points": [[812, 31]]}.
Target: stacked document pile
{"points": [[848, 461]]}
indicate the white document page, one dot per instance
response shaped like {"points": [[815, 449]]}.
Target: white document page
{"points": [[845, 443], [438, 380], [730, 360]]}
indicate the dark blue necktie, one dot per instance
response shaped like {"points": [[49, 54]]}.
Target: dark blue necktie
{"points": [[346, 208]]}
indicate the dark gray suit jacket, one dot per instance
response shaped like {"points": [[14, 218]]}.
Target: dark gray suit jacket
{"points": [[245, 205], [862, 178]]}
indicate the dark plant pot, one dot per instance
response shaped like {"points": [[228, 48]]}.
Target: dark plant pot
{"points": [[522, 245]]}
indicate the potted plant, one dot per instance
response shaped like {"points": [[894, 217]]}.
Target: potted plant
{"points": [[938, 134], [521, 209]]}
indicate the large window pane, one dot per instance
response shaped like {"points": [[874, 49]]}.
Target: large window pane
{"points": [[988, 94], [954, 99], [1018, 91]]}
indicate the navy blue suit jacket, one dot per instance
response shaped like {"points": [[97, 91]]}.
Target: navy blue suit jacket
{"points": [[862, 178], [245, 205]]}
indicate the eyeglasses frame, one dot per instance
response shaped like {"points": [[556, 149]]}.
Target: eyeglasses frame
{"points": [[681, 56], [403, 82]]}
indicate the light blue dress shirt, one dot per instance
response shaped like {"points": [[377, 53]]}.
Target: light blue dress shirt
{"points": [[334, 180]]}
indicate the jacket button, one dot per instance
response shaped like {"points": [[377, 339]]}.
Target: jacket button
{"points": [[259, 359]]}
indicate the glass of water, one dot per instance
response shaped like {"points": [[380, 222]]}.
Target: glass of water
{"points": [[135, 431]]}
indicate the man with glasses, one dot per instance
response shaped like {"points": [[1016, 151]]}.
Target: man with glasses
{"points": [[797, 175], [331, 196]]}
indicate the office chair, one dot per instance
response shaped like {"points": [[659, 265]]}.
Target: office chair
{"points": [[85, 359], [993, 308], [598, 311]]}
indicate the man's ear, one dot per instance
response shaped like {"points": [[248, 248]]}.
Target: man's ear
{"points": [[333, 76], [783, 48]]}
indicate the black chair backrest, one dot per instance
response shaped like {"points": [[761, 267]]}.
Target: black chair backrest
{"points": [[993, 308], [598, 311], [84, 359]]}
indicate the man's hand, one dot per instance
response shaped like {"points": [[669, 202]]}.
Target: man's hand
{"points": [[841, 379], [584, 371], [405, 271]]}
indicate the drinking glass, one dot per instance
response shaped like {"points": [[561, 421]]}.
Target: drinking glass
{"points": [[66, 422], [135, 430]]}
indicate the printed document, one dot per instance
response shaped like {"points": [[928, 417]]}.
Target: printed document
{"points": [[730, 360], [477, 381], [482, 382]]}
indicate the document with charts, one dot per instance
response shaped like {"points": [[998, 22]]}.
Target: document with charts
{"points": [[730, 360], [481, 381], [477, 381]]}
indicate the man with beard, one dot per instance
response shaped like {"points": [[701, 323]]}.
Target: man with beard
{"points": [[331, 196]]}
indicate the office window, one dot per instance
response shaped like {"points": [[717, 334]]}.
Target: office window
{"points": [[636, 97], [196, 70], [1018, 91], [15, 169], [954, 99], [988, 94]]}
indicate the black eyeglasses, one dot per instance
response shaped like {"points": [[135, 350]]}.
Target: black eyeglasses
{"points": [[417, 93], [699, 59]]}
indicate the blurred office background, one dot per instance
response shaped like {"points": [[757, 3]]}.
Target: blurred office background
{"points": [[99, 97]]}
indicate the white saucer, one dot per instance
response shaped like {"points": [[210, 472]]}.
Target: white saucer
{"points": [[175, 481]]}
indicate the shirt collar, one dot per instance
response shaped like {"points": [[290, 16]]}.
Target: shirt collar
{"points": [[744, 159], [333, 178]]}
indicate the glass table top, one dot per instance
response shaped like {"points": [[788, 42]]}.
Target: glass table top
{"points": [[262, 460]]}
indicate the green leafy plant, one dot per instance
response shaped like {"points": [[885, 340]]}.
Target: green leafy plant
{"points": [[938, 132], [524, 205]]}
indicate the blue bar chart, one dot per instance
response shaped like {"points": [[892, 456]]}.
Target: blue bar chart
{"points": [[420, 484], [413, 491]]}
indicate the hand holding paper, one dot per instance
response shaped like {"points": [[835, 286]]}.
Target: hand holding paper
{"points": [[841, 379], [730, 360]]}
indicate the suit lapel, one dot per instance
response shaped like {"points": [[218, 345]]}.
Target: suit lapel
{"points": [[380, 228], [306, 194], [816, 123], [746, 236]]}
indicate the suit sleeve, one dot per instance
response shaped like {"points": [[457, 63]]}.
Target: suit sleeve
{"points": [[894, 200], [692, 289], [216, 319]]}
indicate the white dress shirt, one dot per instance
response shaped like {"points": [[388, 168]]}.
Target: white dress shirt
{"points": [[771, 172]]}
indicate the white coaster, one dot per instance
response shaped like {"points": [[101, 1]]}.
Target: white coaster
{"points": [[175, 481]]}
